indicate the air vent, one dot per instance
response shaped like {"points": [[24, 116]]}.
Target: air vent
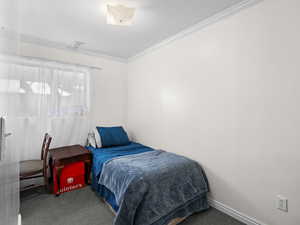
{"points": [[76, 45]]}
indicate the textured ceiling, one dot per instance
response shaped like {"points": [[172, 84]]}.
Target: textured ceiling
{"points": [[66, 21]]}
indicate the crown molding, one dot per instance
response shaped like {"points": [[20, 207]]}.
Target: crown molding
{"points": [[199, 26], [62, 46], [234, 213], [24, 38]]}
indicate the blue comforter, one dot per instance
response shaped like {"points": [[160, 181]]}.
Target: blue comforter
{"points": [[153, 187], [101, 155]]}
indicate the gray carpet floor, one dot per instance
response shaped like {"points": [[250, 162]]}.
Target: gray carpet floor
{"points": [[83, 207]]}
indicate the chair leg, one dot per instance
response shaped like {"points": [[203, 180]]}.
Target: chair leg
{"points": [[46, 184]]}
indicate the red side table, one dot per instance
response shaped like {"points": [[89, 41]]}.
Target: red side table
{"points": [[70, 168]]}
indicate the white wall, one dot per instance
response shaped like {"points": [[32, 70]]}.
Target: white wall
{"points": [[108, 86], [228, 96]]}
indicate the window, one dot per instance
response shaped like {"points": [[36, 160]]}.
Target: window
{"points": [[32, 88]]}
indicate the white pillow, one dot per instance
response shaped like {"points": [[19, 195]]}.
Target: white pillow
{"points": [[91, 140], [97, 138]]}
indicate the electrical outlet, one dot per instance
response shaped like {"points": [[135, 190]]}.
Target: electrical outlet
{"points": [[282, 203]]}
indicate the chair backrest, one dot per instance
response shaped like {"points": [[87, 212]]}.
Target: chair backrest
{"points": [[44, 145], [45, 149]]}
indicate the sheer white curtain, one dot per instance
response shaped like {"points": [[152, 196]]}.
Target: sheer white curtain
{"points": [[38, 97]]}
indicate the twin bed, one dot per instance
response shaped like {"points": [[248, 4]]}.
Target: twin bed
{"points": [[144, 186]]}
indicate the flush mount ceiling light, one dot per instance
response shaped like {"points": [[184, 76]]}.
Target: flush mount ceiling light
{"points": [[120, 15]]}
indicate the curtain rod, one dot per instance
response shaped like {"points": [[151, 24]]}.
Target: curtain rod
{"points": [[61, 62], [53, 61]]}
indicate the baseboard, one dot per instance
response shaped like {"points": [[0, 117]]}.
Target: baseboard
{"points": [[234, 213]]}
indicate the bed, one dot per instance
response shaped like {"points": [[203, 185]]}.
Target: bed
{"points": [[134, 180], [100, 156]]}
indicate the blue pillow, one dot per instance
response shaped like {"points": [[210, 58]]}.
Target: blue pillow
{"points": [[113, 136]]}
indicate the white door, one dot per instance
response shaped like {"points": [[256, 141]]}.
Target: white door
{"points": [[9, 192], [9, 166]]}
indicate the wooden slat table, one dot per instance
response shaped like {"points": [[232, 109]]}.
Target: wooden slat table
{"points": [[62, 156]]}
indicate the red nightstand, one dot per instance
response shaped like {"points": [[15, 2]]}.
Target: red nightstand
{"points": [[70, 168]]}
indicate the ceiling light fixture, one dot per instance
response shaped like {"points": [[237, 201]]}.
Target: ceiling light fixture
{"points": [[120, 15]]}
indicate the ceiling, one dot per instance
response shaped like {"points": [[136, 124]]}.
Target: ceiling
{"points": [[65, 21]]}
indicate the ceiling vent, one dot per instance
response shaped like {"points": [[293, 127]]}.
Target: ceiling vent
{"points": [[76, 45]]}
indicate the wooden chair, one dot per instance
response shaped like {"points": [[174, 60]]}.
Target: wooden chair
{"points": [[36, 168]]}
